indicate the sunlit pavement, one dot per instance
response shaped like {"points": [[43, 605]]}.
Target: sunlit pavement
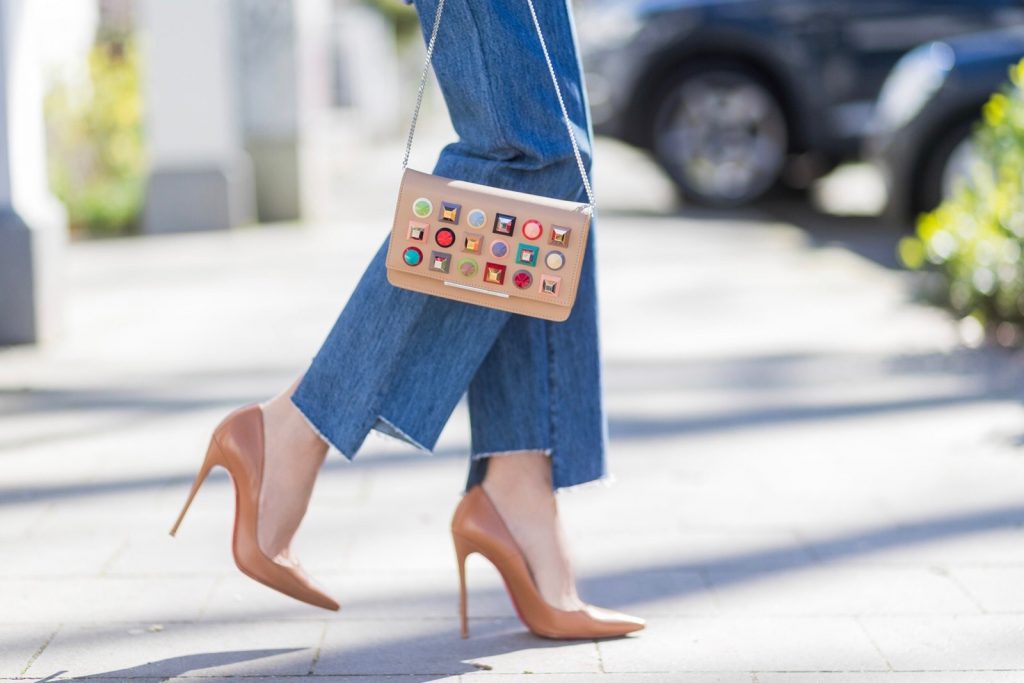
{"points": [[813, 480]]}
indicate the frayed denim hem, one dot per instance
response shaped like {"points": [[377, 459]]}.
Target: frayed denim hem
{"points": [[481, 456], [382, 425], [478, 471], [605, 482], [389, 428]]}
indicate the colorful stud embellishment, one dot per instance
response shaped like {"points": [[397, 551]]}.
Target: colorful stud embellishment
{"points": [[549, 284], [412, 256], [473, 244], [422, 207], [468, 267], [445, 237], [476, 218], [499, 249], [450, 212], [560, 236], [532, 229], [522, 279], [440, 261], [494, 273], [504, 225], [526, 255], [417, 231], [554, 260]]}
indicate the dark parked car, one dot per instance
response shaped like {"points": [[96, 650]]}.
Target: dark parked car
{"points": [[928, 106], [732, 95]]}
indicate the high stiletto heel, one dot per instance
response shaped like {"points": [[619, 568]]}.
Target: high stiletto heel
{"points": [[237, 446], [462, 551], [478, 528], [212, 458]]}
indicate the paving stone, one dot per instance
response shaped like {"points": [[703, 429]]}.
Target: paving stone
{"points": [[194, 552], [145, 650], [59, 554], [19, 518], [954, 643], [954, 539], [649, 592], [434, 646], [100, 599], [20, 643], [744, 643], [830, 590], [891, 677], [371, 596], [430, 552], [423, 678], [698, 677], [997, 589], [690, 550]]}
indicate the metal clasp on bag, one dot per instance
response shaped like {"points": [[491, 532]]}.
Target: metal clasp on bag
{"points": [[475, 289]]}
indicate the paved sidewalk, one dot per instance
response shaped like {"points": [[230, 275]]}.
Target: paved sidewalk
{"points": [[814, 483]]}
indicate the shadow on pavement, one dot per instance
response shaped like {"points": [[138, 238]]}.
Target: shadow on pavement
{"points": [[634, 586], [174, 666], [439, 649], [977, 375], [866, 236]]}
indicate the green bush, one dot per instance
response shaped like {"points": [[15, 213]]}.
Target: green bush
{"points": [[402, 16], [95, 143], [974, 240]]}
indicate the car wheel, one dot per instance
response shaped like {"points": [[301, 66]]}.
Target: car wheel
{"points": [[946, 165], [721, 134]]}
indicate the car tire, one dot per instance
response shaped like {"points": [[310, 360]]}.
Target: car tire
{"points": [[720, 133], [937, 170]]}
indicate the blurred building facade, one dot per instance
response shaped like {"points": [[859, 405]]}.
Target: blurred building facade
{"points": [[32, 222], [247, 104], [243, 98]]}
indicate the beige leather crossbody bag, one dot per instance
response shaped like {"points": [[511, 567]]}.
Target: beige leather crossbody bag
{"points": [[488, 246]]}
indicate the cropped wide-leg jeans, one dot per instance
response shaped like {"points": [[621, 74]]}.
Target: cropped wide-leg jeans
{"points": [[398, 361]]}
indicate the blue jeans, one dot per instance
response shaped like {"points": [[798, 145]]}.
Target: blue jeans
{"points": [[398, 361]]}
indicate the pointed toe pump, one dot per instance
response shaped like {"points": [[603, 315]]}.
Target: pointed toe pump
{"points": [[237, 446], [478, 528]]}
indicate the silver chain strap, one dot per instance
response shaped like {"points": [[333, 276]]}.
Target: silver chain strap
{"points": [[423, 82], [554, 80]]}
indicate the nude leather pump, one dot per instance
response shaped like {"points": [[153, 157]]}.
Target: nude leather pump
{"points": [[478, 528], [237, 446]]}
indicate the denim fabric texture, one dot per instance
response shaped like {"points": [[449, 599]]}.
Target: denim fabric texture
{"points": [[398, 361]]}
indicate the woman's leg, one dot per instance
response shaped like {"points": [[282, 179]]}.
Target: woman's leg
{"points": [[536, 398], [558, 409], [399, 361], [293, 455], [395, 361]]}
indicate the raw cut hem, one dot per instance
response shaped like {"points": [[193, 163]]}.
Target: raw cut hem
{"points": [[388, 428], [605, 482], [481, 456]]}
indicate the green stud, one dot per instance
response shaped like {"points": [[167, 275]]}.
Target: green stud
{"points": [[422, 207]]}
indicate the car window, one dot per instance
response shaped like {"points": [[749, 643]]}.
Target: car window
{"points": [[873, 34]]}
